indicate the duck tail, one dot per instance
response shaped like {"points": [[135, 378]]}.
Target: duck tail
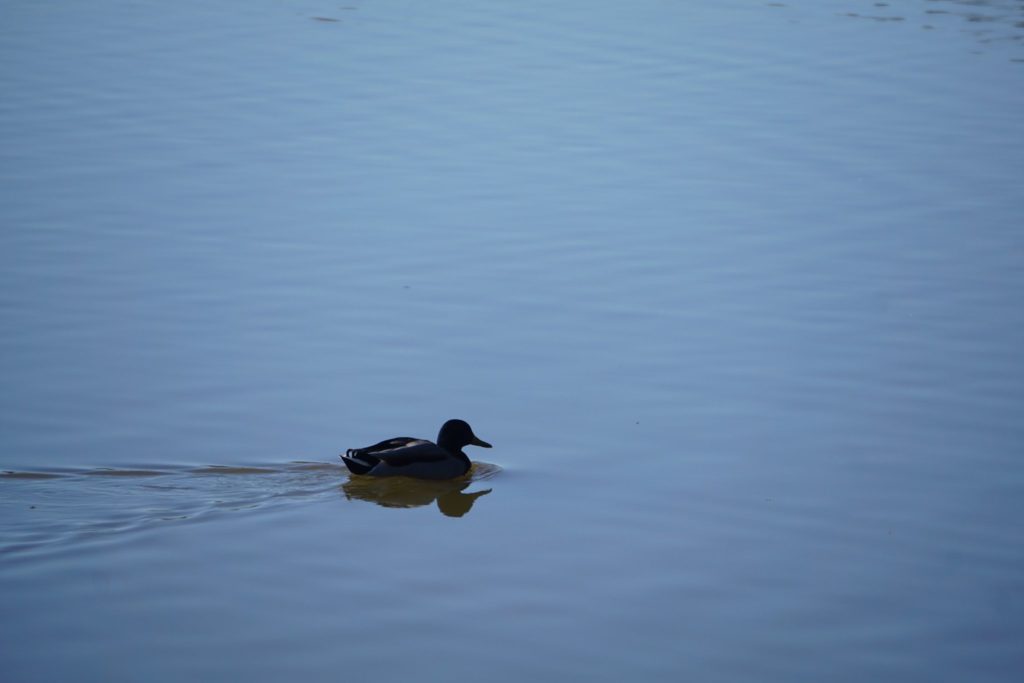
{"points": [[356, 462]]}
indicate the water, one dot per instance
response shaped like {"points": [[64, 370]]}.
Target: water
{"points": [[733, 288]]}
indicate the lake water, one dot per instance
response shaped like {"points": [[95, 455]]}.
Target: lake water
{"points": [[734, 288]]}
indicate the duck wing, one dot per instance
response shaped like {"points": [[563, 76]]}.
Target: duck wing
{"points": [[418, 451], [398, 452], [405, 456], [386, 445]]}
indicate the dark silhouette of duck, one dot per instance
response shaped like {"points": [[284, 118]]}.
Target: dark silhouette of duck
{"points": [[408, 457]]}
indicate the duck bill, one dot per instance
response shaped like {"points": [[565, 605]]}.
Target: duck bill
{"points": [[477, 441]]}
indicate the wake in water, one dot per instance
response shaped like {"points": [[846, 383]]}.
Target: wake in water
{"points": [[44, 507]]}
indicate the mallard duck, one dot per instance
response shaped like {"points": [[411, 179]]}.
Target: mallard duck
{"points": [[408, 457]]}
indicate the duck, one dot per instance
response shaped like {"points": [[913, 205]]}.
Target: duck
{"points": [[408, 457]]}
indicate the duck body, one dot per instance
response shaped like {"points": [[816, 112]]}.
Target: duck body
{"points": [[408, 457]]}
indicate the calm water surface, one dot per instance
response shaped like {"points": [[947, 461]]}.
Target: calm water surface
{"points": [[734, 288]]}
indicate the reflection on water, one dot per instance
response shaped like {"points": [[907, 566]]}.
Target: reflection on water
{"points": [[45, 507], [405, 492]]}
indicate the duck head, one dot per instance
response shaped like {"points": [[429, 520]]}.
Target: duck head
{"points": [[455, 434]]}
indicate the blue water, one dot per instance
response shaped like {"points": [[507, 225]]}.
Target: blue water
{"points": [[733, 288]]}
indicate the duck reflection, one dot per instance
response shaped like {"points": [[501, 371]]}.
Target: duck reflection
{"points": [[406, 492]]}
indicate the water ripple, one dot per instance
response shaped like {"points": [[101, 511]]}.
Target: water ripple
{"points": [[44, 507]]}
